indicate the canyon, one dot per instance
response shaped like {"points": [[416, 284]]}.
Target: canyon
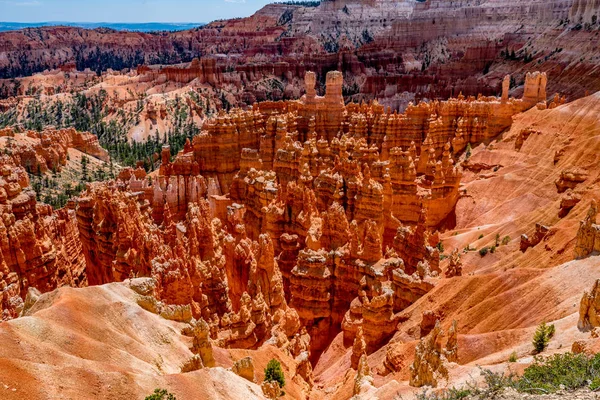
{"points": [[316, 231], [383, 196], [395, 52]]}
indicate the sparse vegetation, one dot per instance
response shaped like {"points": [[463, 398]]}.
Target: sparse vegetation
{"points": [[367, 37], [88, 112], [505, 240], [513, 357], [274, 373], [468, 151], [161, 394], [546, 375], [483, 251], [542, 337], [301, 3]]}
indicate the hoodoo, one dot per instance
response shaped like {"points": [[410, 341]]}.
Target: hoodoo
{"points": [[335, 199]]}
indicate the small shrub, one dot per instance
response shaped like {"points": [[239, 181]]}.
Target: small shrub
{"points": [[542, 337], [274, 373], [450, 394], [483, 251], [161, 394], [505, 240], [493, 249], [468, 151], [572, 371], [496, 382], [513, 357], [440, 247], [481, 236], [551, 331], [497, 239], [546, 375]]}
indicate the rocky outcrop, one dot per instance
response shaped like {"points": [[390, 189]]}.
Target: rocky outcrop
{"points": [[271, 390], [584, 11], [567, 202], [40, 152], [454, 265], [588, 235], [429, 366], [202, 343], [359, 348], [244, 368], [589, 309], [569, 179], [294, 202], [541, 231], [363, 382], [39, 248]]}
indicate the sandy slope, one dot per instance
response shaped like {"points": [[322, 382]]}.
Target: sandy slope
{"points": [[97, 343]]}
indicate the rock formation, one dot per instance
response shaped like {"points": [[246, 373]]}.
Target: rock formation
{"points": [[431, 357], [302, 216], [244, 368], [584, 11], [541, 231], [202, 345], [455, 265], [359, 348], [284, 225], [40, 152], [589, 309], [40, 248], [588, 236], [363, 381], [271, 390]]}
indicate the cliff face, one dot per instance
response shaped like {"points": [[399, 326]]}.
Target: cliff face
{"points": [[40, 152], [40, 248], [392, 51]]}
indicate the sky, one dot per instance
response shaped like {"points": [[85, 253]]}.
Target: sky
{"points": [[126, 10]]}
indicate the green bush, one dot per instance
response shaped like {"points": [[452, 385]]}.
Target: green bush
{"points": [[493, 249], [483, 251], [505, 240], [595, 385], [480, 236], [274, 373], [546, 375], [513, 357], [450, 394], [542, 337], [572, 371], [161, 394], [440, 247]]}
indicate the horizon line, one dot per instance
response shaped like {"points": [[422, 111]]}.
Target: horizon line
{"points": [[100, 22]]}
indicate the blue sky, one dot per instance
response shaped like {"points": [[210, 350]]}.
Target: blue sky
{"points": [[126, 10]]}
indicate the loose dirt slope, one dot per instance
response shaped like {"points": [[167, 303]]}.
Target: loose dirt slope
{"points": [[97, 343]]}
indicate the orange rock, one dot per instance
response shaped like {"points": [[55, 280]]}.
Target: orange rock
{"points": [[588, 236]]}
